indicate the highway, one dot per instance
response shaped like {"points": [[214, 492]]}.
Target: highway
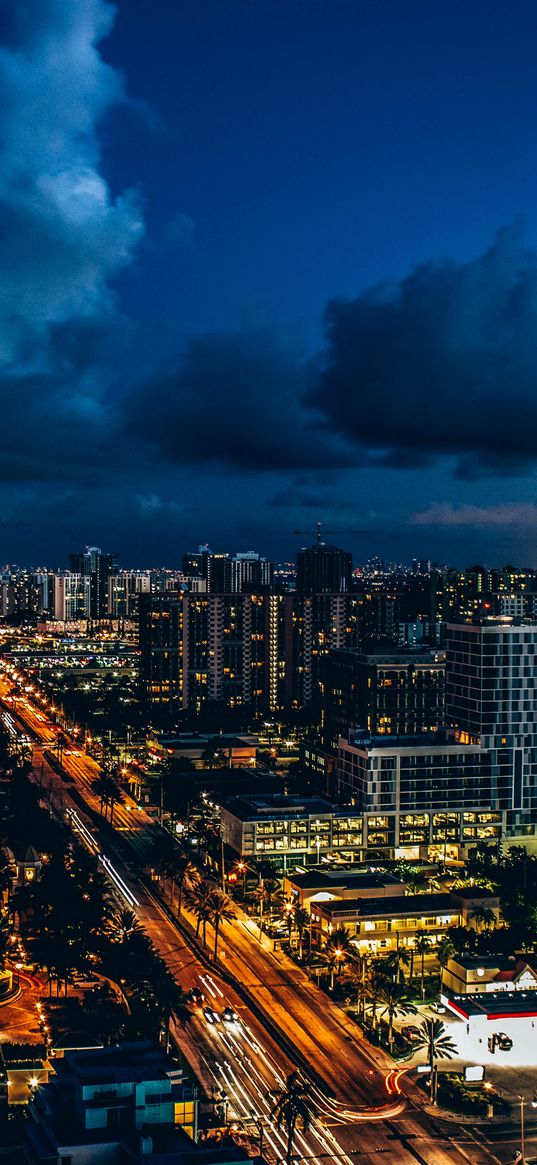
{"points": [[245, 1061]]}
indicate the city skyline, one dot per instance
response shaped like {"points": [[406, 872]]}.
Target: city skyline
{"points": [[268, 264]]}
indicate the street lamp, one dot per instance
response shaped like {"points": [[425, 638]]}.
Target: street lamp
{"points": [[521, 1159]]}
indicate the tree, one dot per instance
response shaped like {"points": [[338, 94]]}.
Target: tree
{"points": [[124, 923], [391, 966], [292, 1104], [464, 938], [356, 978], [445, 950], [411, 875], [302, 920], [422, 945], [336, 951], [198, 899], [169, 998], [269, 894], [484, 918], [115, 797], [185, 871], [395, 1001], [213, 756], [438, 1046], [107, 1016], [100, 788], [220, 910]]}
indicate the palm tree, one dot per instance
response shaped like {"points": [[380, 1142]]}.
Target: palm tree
{"points": [[123, 923], [292, 1104], [391, 966], [336, 950], [101, 789], [438, 1047], [198, 899], [396, 1002], [115, 797], [169, 996], [301, 918], [269, 894], [445, 950], [422, 945], [355, 976], [220, 910], [185, 871], [165, 871]]}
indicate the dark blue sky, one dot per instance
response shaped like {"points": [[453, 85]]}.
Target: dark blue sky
{"points": [[264, 262]]}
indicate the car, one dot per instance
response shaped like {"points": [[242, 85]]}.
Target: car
{"points": [[83, 982], [504, 1042], [411, 1032], [439, 1008], [210, 1015], [229, 1016], [195, 995]]}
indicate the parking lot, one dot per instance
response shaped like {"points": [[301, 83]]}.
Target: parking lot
{"points": [[511, 1072]]}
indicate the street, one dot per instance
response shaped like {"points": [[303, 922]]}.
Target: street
{"points": [[361, 1108]]}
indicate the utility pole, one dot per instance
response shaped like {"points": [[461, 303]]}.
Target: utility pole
{"points": [[222, 862]]}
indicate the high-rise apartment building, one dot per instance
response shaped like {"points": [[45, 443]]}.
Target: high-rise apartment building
{"points": [[72, 596], [123, 591], [323, 569], [491, 700], [383, 692], [97, 566], [161, 642]]}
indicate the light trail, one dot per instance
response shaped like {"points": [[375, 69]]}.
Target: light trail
{"points": [[118, 880], [78, 827]]}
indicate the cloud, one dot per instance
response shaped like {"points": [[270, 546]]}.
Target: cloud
{"points": [[151, 505], [234, 399], [63, 236], [442, 363], [522, 515]]}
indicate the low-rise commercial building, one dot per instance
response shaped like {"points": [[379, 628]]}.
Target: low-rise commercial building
{"points": [[289, 831], [381, 924], [322, 885], [477, 974]]}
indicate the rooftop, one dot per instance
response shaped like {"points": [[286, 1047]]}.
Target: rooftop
{"points": [[342, 879], [495, 1005], [488, 962], [432, 742], [139, 1060], [249, 806], [408, 904]]}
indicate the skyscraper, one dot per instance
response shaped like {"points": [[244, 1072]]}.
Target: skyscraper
{"points": [[323, 569], [160, 631], [491, 690], [97, 566]]}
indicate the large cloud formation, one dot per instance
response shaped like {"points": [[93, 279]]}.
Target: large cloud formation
{"points": [[63, 236], [234, 398], [442, 363]]}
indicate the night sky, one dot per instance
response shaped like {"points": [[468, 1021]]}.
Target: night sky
{"points": [[263, 263]]}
